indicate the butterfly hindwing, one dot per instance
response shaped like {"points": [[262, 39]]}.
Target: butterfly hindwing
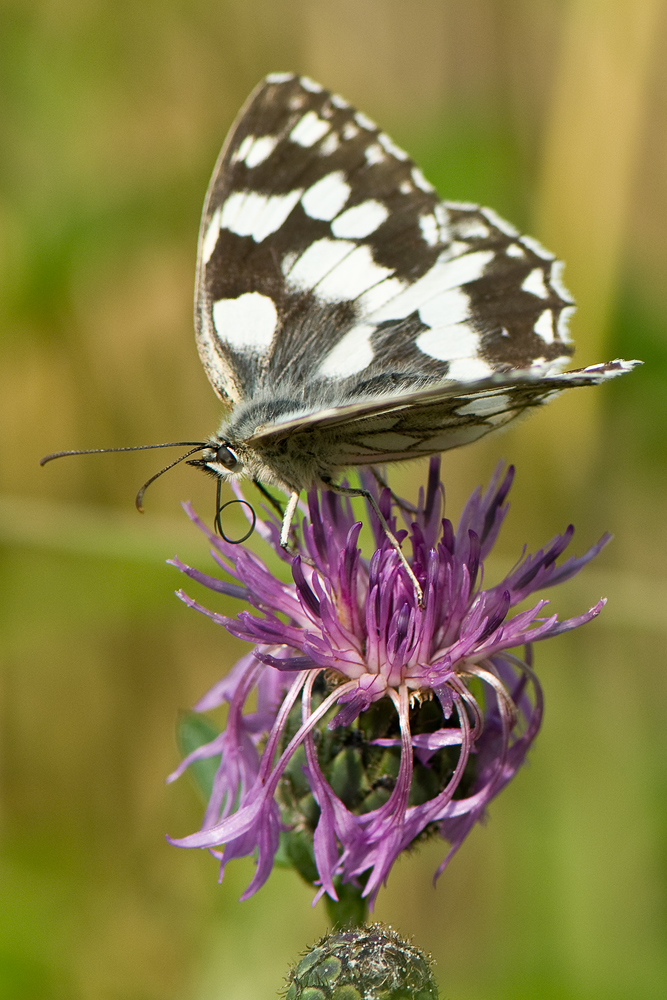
{"points": [[409, 425], [329, 271]]}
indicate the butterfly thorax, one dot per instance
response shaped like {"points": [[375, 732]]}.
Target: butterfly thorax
{"points": [[301, 457], [291, 462], [285, 464]]}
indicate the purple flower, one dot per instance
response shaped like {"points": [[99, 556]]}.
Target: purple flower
{"points": [[377, 721]]}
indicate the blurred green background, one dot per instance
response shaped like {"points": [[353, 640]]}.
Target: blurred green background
{"points": [[112, 115]]}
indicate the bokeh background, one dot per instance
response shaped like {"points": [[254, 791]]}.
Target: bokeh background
{"points": [[555, 114]]}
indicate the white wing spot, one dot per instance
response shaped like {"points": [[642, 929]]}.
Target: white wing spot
{"points": [[498, 419], [389, 442], [356, 274], [405, 187], [380, 294], [556, 277], [445, 274], [248, 213], [390, 146], [330, 144], [338, 101], [244, 148], [453, 437], [499, 223], [317, 260], [261, 150], [455, 249], [211, 237], [326, 197], [444, 311], [464, 206], [534, 245], [288, 262], [469, 369], [310, 85], [514, 250], [309, 130], [472, 229], [457, 343], [278, 208], [247, 323], [351, 354], [374, 154], [421, 181], [443, 220], [365, 122], [544, 327], [430, 229], [360, 221], [484, 405], [231, 208], [535, 285], [564, 321], [279, 77], [350, 131], [468, 267]]}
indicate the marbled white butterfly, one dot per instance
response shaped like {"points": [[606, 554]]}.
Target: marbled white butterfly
{"points": [[346, 315]]}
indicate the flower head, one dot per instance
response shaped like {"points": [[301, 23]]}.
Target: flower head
{"points": [[378, 721]]}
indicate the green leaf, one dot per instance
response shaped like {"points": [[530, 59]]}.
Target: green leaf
{"points": [[193, 731]]}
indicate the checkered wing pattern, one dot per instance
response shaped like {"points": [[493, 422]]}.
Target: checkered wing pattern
{"points": [[335, 289]]}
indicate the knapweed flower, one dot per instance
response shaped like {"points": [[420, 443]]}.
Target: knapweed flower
{"points": [[378, 721]]}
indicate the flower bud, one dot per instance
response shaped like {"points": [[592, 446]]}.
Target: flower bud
{"points": [[367, 963]]}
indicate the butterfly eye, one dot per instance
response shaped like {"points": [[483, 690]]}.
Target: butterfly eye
{"points": [[227, 458]]}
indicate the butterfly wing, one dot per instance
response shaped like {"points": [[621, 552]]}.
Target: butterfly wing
{"points": [[330, 272], [429, 420], [340, 303]]}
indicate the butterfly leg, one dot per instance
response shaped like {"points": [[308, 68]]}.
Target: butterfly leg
{"points": [[277, 506], [357, 491], [287, 519], [403, 505]]}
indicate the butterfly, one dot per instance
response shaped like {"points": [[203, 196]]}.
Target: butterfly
{"points": [[346, 316]]}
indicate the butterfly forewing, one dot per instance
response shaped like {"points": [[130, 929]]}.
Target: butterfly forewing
{"points": [[330, 271]]}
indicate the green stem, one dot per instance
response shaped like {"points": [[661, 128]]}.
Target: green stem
{"points": [[351, 910]]}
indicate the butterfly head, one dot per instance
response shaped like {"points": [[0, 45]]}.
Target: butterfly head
{"points": [[220, 459]]}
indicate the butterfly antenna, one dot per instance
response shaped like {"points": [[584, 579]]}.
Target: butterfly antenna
{"points": [[139, 499], [197, 446], [219, 507]]}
